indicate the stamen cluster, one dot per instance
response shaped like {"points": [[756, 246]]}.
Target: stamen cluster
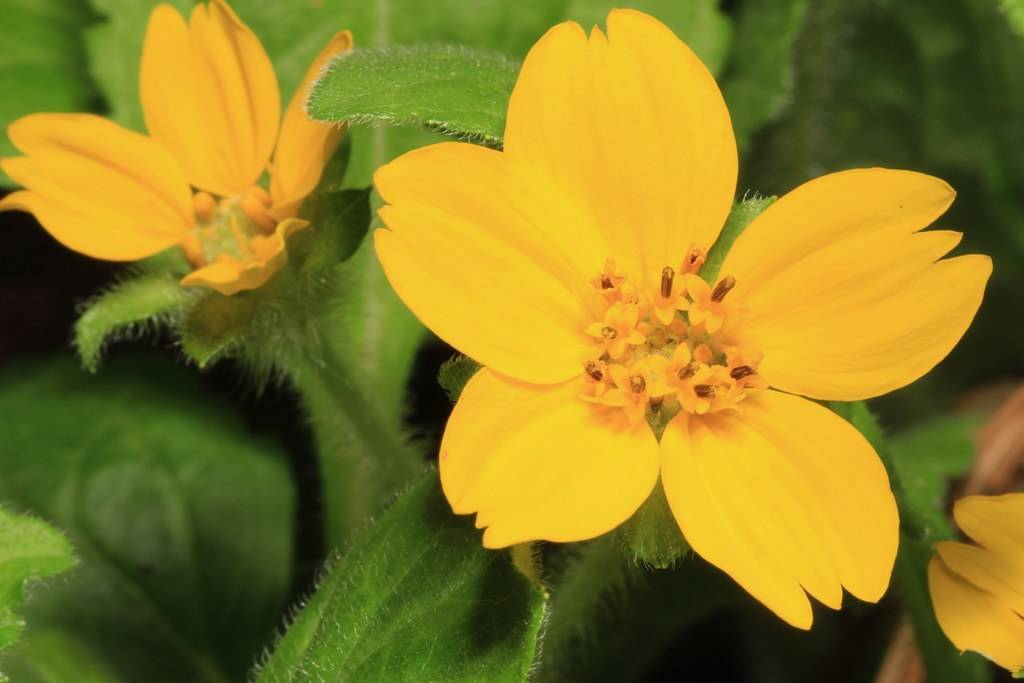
{"points": [[674, 348], [231, 227]]}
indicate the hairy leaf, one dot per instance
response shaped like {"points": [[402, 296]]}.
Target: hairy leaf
{"points": [[126, 309], [182, 521], [43, 64], [30, 549], [456, 91], [416, 598]]}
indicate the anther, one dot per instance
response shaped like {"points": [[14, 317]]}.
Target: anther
{"points": [[590, 367], [606, 282], [637, 384], [704, 390], [741, 371], [687, 371], [723, 287], [609, 333], [667, 274]]}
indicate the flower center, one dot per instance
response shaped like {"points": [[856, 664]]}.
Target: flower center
{"points": [[673, 348], [229, 228]]}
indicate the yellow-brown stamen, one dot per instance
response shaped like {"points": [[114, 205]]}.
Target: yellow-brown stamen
{"points": [[723, 287], [609, 333], [590, 367], [704, 390], [687, 371], [667, 275], [741, 372], [637, 384]]}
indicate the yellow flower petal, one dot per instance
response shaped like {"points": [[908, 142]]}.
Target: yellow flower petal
{"points": [[99, 189], [845, 297], [209, 94], [995, 522], [473, 250], [784, 497], [535, 463], [1002, 576], [633, 130], [305, 146], [230, 275], [974, 619]]}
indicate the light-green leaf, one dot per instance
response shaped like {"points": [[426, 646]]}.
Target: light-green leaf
{"points": [[181, 520], [43, 63], [30, 549], [455, 91], [1014, 11], [416, 598]]}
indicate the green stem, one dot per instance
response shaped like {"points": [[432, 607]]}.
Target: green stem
{"points": [[364, 460]]}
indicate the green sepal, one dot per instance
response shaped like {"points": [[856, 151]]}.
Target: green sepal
{"points": [[457, 91], [652, 536], [454, 373], [415, 598], [215, 325], [145, 299], [30, 549], [742, 214]]}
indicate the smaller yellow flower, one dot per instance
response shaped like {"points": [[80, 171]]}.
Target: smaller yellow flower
{"points": [[213, 111], [978, 590]]}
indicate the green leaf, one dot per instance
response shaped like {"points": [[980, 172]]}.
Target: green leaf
{"points": [[127, 309], [1014, 11], [742, 214], [55, 656], [30, 550], [340, 220], [758, 78], [416, 598], [456, 91], [455, 373], [182, 521], [43, 65], [921, 463]]}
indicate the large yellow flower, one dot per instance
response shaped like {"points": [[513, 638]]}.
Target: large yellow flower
{"points": [[566, 265], [213, 111], [978, 592]]}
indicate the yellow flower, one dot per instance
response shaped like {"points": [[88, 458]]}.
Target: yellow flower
{"points": [[978, 592], [213, 111], [619, 150]]}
